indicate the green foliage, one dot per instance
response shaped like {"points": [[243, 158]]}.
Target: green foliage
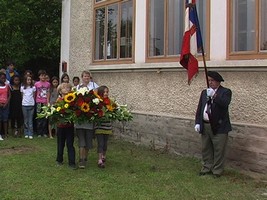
{"points": [[29, 30]]}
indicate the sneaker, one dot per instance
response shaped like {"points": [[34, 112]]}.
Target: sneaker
{"points": [[82, 164], [39, 136], [26, 136], [1, 138], [30, 137], [100, 164], [45, 135]]}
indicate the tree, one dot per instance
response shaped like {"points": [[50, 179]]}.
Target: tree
{"points": [[30, 33]]}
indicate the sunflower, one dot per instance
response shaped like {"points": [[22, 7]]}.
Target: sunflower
{"points": [[66, 105], [58, 109], [85, 107], [70, 97]]}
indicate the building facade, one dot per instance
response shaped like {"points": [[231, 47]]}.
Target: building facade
{"points": [[133, 47]]}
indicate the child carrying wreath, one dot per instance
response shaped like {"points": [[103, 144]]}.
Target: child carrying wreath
{"points": [[103, 128], [83, 106], [65, 132]]}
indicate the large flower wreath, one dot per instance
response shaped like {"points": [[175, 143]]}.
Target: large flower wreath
{"points": [[83, 106]]}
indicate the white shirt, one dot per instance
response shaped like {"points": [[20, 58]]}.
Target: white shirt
{"points": [[91, 86], [205, 114], [28, 95]]}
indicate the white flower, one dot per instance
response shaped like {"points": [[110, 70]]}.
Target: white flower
{"points": [[96, 101], [82, 90]]}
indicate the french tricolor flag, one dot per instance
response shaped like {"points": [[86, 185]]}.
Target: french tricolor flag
{"points": [[192, 40]]}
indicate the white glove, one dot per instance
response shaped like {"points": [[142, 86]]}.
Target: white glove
{"points": [[210, 92], [197, 128]]}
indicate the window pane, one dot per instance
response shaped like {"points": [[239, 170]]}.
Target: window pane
{"points": [[244, 35], [156, 32], [175, 26], [126, 30], [263, 26], [112, 31], [202, 10], [99, 33]]}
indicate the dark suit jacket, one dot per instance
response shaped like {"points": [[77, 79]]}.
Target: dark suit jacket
{"points": [[219, 110]]}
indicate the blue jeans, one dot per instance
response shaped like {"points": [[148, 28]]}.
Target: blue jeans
{"points": [[28, 112]]}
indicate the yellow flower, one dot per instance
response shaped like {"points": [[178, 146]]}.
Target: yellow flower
{"points": [[58, 109], [110, 107], [69, 97], [66, 105], [85, 107]]}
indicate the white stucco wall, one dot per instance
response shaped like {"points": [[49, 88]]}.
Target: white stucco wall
{"points": [[65, 32]]}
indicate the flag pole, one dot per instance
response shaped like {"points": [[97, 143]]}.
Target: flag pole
{"points": [[205, 66]]}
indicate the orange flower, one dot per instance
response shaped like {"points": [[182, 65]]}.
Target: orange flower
{"points": [[110, 107]]}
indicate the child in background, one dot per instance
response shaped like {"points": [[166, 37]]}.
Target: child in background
{"points": [[15, 106], [52, 98], [47, 78], [42, 91], [65, 78], [76, 81], [4, 101], [28, 73], [28, 93], [65, 133], [103, 130]]}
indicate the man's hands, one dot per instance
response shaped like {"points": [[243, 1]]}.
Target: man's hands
{"points": [[197, 128], [210, 92]]}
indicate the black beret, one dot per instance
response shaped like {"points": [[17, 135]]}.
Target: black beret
{"points": [[215, 75]]}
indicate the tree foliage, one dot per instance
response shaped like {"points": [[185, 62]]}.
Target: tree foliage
{"points": [[30, 31]]}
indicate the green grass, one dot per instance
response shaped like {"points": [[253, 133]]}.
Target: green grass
{"points": [[28, 171]]}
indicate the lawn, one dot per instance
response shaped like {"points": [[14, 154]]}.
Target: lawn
{"points": [[28, 171]]}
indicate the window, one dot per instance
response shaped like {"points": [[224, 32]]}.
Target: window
{"points": [[166, 27], [113, 31], [248, 29]]}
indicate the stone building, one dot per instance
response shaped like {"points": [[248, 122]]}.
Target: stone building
{"points": [[133, 47]]}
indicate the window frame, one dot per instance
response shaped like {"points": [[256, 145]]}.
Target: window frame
{"points": [[243, 55], [175, 58], [105, 4]]}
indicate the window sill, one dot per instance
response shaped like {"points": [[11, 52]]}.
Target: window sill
{"points": [[229, 65]]}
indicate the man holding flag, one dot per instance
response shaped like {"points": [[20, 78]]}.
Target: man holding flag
{"points": [[213, 123], [212, 116]]}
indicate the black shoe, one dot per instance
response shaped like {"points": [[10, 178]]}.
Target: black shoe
{"points": [[203, 173], [59, 163], [73, 167], [216, 175]]}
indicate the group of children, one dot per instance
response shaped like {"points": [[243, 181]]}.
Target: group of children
{"points": [[19, 102]]}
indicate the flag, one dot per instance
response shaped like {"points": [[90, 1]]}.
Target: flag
{"points": [[192, 40]]}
